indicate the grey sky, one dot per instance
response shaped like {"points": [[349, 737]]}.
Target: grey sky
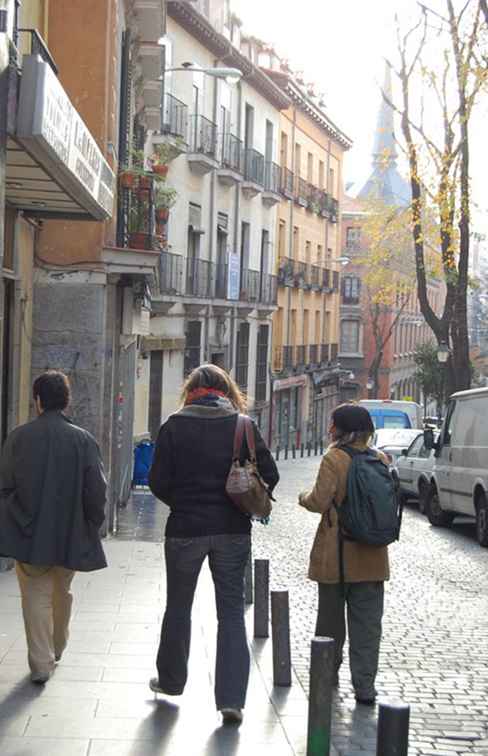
{"points": [[341, 45]]}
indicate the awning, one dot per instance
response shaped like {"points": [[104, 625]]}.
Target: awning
{"points": [[54, 165]]}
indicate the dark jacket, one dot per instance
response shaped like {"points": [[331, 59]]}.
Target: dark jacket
{"points": [[52, 495], [191, 463]]}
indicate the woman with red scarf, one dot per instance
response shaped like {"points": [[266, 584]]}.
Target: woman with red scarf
{"points": [[192, 460]]}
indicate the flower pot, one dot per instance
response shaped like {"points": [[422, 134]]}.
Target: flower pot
{"points": [[145, 182], [127, 179], [138, 240], [162, 214], [161, 170]]}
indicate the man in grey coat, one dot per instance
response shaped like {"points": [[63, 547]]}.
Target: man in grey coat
{"points": [[52, 504]]}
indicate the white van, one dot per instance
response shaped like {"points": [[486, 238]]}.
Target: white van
{"points": [[392, 413], [459, 481]]}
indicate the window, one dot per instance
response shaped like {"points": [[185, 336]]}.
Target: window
{"points": [[350, 336], [416, 447], [320, 253], [242, 356], [310, 167], [351, 287], [298, 160], [296, 243], [282, 239], [308, 252], [321, 174], [331, 181], [192, 346], [470, 427], [353, 237], [262, 363], [284, 150]]}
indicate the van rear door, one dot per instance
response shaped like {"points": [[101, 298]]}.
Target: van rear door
{"points": [[469, 452]]}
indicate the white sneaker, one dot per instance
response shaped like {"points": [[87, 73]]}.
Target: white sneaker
{"points": [[232, 716]]}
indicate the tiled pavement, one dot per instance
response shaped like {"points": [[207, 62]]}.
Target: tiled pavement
{"points": [[98, 702]]}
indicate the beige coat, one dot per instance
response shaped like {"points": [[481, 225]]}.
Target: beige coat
{"points": [[361, 562]]}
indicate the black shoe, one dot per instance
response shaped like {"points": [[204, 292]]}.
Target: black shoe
{"points": [[366, 701], [156, 688], [232, 716]]}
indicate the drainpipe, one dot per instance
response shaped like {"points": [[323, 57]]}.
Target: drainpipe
{"points": [[211, 223], [237, 213]]}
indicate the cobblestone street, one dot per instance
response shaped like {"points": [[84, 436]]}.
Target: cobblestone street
{"points": [[435, 649]]}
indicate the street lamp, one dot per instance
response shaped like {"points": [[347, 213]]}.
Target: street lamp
{"points": [[443, 353], [231, 75]]}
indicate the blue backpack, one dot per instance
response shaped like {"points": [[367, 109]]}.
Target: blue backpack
{"points": [[371, 512]]}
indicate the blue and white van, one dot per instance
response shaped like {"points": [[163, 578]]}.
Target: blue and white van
{"points": [[388, 413]]}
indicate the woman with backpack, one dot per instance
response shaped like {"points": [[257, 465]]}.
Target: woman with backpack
{"points": [[193, 457], [364, 566]]}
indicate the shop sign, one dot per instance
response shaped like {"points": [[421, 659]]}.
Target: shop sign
{"points": [[286, 383], [54, 133]]}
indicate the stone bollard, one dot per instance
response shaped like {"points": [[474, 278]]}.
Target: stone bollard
{"points": [[286, 452], [248, 588], [393, 724], [302, 449], [261, 598], [309, 449], [280, 625], [278, 453], [293, 451], [320, 697]]}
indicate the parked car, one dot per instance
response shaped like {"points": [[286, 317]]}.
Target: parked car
{"points": [[390, 413], [392, 441], [414, 471], [459, 481]]}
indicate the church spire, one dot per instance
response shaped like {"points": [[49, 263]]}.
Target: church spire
{"points": [[385, 182]]}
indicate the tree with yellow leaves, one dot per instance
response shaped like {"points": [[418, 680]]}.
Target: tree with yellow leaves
{"points": [[442, 72]]}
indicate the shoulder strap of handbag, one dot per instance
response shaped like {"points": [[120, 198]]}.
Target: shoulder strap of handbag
{"points": [[244, 425]]}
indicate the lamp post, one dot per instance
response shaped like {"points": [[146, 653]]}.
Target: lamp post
{"points": [[443, 354]]}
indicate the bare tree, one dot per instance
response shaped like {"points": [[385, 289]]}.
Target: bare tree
{"points": [[445, 185]]}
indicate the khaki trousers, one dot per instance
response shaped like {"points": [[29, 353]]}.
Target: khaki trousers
{"points": [[46, 606]]}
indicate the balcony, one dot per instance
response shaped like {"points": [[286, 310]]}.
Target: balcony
{"points": [[300, 355], [268, 290], [313, 354], [272, 180], [313, 199], [334, 351], [301, 192], [327, 281], [221, 281], [202, 155], [323, 199], [350, 299], [315, 277], [199, 278], [174, 121], [253, 173], [287, 358], [324, 353], [135, 217], [286, 268], [231, 169], [287, 183], [333, 210], [171, 274], [300, 277], [250, 282]]}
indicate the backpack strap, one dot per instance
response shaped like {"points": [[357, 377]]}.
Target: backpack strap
{"points": [[251, 441]]}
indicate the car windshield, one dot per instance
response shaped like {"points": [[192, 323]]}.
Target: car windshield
{"points": [[399, 438]]}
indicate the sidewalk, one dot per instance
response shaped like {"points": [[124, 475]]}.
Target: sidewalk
{"points": [[98, 702]]}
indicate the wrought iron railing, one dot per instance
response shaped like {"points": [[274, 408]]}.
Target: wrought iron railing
{"points": [[272, 177], [334, 351], [221, 287], [37, 46], [315, 274], [333, 210], [249, 285], [288, 357], [300, 355], [324, 353], [268, 294], [199, 278], [254, 166], [232, 156], [204, 136], [313, 354], [326, 279], [174, 117], [301, 191], [171, 273], [287, 183]]}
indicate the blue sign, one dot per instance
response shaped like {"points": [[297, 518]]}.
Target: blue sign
{"points": [[233, 282]]}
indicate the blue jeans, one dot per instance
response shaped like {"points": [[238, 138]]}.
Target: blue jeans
{"points": [[227, 556]]}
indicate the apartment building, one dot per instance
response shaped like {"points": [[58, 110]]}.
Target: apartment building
{"points": [[307, 378], [76, 291], [218, 271]]}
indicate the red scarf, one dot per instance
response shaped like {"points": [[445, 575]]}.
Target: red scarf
{"points": [[199, 393]]}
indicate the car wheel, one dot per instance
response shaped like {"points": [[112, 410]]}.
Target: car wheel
{"points": [[435, 514], [423, 492], [482, 520]]}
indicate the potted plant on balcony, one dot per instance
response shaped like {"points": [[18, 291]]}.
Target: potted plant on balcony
{"points": [[162, 155], [138, 215], [130, 177], [164, 199]]}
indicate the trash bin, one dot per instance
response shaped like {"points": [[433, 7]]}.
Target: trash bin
{"points": [[143, 457]]}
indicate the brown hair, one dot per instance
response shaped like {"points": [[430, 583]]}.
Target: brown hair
{"points": [[213, 377], [53, 390]]}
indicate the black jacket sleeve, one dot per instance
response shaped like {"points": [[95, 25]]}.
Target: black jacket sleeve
{"points": [[94, 485], [266, 464], [160, 474], [7, 478]]}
